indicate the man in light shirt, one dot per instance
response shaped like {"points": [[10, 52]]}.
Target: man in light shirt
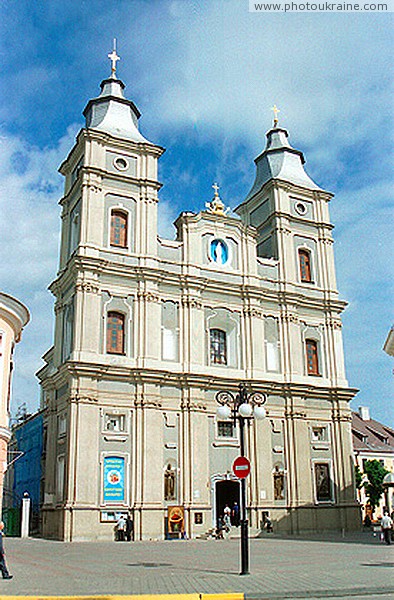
{"points": [[386, 525]]}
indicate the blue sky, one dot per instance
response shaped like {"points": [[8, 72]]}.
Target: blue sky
{"points": [[204, 75]]}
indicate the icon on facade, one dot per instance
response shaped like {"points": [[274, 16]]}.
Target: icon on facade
{"points": [[219, 252]]}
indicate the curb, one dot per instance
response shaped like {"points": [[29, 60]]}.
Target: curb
{"points": [[229, 596]]}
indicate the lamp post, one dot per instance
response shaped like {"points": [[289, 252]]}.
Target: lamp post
{"points": [[242, 407]]}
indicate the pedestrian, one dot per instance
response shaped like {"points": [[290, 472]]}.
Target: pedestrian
{"points": [[219, 529], [386, 525], [235, 515], [227, 522], [227, 510], [121, 528], [129, 528], [3, 566]]}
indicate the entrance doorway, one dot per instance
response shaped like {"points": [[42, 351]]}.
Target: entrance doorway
{"points": [[226, 492]]}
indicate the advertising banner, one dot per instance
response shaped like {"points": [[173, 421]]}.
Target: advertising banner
{"points": [[114, 480]]}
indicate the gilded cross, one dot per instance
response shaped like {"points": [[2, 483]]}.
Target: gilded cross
{"points": [[113, 58], [216, 188], [276, 111]]}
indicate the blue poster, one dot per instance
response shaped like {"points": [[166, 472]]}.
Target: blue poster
{"points": [[114, 484]]}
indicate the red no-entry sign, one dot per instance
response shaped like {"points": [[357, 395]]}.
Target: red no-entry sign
{"points": [[241, 467]]}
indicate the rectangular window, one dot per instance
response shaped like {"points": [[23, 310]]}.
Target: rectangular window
{"points": [[60, 470], [74, 228], [225, 429], [61, 425], [169, 330], [118, 229], [271, 329], [312, 361], [323, 482], [319, 434], [115, 423], [304, 258], [115, 333], [218, 347]]}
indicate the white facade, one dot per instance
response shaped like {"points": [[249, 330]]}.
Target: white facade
{"points": [[148, 330]]}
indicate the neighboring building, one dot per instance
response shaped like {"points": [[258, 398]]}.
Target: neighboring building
{"points": [[389, 343], [24, 474], [13, 318], [148, 330], [372, 441]]}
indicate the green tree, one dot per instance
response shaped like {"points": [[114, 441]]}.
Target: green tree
{"points": [[375, 473], [359, 477]]}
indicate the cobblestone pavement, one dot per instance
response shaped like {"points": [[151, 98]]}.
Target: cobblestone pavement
{"points": [[354, 567]]}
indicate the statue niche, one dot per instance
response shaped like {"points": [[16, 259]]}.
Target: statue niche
{"points": [[279, 484], [169, 483]]}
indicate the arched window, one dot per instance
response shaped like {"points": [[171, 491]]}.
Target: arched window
{"points": [[218, 347], [115, 333], [312, 361], [304, 259], [118, 236]]}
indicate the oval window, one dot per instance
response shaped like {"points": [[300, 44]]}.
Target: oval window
{"points": [[301, 208], [121, 164]]}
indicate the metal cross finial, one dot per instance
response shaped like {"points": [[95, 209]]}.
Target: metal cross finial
{"points": [[276, 111], [216, 188], [113, 58]]}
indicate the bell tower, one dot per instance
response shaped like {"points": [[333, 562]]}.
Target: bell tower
{"points": [[290, 213], [109, 210]]}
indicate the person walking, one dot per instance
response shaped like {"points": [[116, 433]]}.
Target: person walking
{"points": [[235, 515], [3, 565], [129, 528], [386, 525], [121, 528]]}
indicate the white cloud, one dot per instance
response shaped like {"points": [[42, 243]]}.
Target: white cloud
{"points": [[30, 188], [207, 73]]}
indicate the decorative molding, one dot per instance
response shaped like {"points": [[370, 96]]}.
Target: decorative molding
{"points": [[93, 182], [284, 230], [197, 405], [151, 403], [289, 318], [190, 302], [252, 312], [87, 286], [325, 240], [335, 323], [148, 296], [83, 399], [295, 414], [58, 307]]}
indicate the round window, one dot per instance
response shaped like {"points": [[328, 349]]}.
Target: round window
{"points": [[218, 252], [301, 208], [121, 163]]}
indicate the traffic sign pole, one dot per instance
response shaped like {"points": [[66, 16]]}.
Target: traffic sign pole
{"points": [[243, 520]]}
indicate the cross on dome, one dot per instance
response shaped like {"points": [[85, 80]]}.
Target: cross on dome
{"points": [[276, 111], [216, 188], [216, 206], [113, 58]]}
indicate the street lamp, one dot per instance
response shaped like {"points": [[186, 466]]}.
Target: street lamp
{"points": [[243, 406]]}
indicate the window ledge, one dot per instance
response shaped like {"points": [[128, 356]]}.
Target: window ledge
{"points": [[230, 443], [115, 437]]}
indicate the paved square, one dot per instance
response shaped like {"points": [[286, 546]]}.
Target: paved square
{"points": [[313, 567]]}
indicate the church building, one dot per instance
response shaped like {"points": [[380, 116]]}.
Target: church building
{"points": [[149, 330]]}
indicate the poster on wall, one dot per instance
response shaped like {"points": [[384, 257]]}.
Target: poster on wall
{"points": [[114, 484]]}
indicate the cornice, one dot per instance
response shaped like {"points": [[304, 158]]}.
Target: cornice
{"points": [[193, 380]]}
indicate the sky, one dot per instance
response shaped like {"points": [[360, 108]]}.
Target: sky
{"points": [[205, 75]]}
